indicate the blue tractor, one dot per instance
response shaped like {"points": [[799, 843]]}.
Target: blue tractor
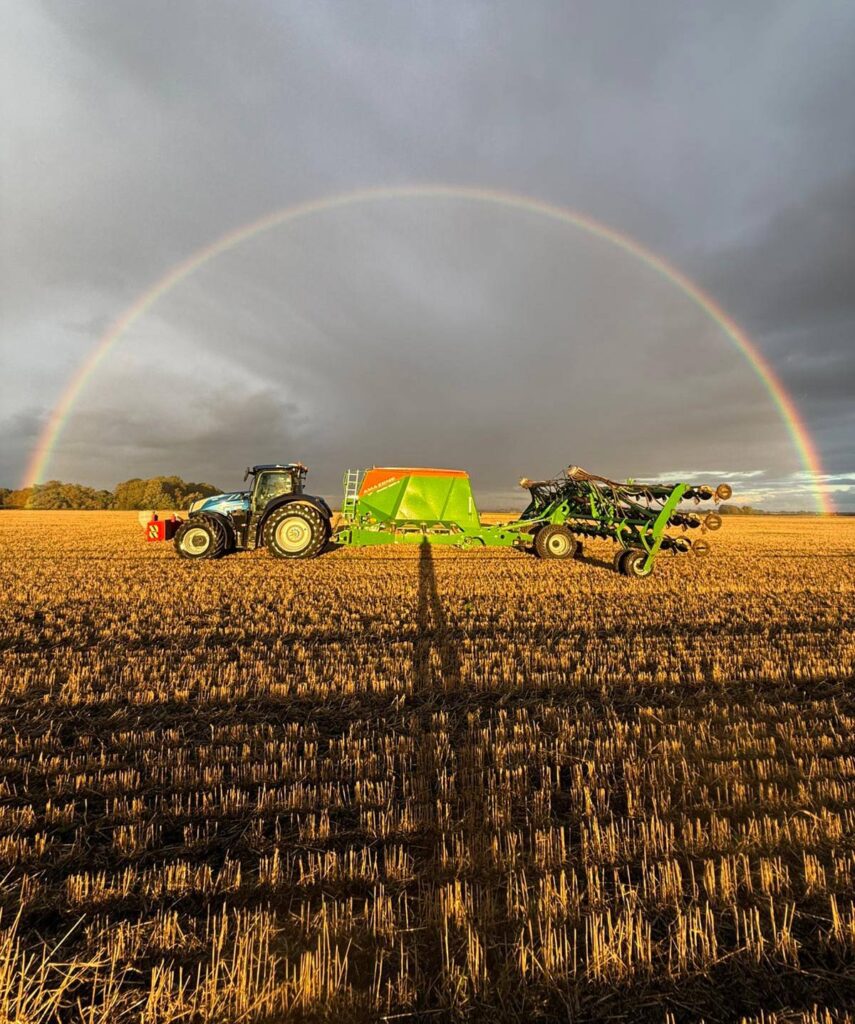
{"points": [[274, 513]]}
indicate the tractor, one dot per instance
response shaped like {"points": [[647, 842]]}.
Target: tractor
{"points": [[417, 505], [274, 512]]}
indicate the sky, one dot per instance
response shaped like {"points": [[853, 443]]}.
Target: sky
{"points": [[430, 331]]}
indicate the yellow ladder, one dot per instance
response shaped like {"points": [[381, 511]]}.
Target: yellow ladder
{"points": [[351, 492]]}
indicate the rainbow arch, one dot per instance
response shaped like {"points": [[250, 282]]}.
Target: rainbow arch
{"points": [[802, 441]]}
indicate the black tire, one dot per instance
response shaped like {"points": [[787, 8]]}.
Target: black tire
{"points": [[200, 538], [229, 539], [296, 531], [618, 559], [632, 564], [555, 541], [579, 550]]}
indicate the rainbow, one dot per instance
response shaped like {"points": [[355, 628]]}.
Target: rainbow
{"points": [[804, 446]]}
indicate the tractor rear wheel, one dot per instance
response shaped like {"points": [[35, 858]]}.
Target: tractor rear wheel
{"points": [[554, 541], [296, 531], [200, 538], [632, 563]]}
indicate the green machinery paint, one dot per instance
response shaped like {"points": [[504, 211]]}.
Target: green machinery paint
{"points": [[436, 499], [393, 505]]}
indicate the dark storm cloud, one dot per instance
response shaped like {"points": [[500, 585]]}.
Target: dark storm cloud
{"points": [[20, 431], [794, 280], [798, 270], [721, 135], [219, 436]]}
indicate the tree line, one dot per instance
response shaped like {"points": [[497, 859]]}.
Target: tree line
{"points": [[740, 510], [157, 492]]}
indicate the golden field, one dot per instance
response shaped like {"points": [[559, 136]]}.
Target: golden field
{"points": [[414, 784]]}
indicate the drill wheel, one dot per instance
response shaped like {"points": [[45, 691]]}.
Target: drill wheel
{"points": [[555, 541], [632, 563]]}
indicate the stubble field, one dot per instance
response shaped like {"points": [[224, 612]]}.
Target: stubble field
{"points": [[416, 784]]}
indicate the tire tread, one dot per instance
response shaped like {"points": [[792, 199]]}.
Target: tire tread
{"points": [[318, 522]]}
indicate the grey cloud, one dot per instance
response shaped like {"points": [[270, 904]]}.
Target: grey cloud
{"points": [[218, 436], [799, 269], [794, 282], [20, 431]]}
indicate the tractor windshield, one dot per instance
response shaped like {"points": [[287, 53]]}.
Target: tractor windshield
{"points": [[272, 485]]}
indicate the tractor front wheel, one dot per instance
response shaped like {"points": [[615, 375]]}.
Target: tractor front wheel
{"points": [[632, 563], [296, 531], [555, 541], [200, 538]]}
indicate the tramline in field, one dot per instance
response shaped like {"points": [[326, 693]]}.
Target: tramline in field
{"points": [[410, 505]]}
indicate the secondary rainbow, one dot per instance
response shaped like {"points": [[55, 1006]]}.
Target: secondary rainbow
{"points": [[807, 453]]}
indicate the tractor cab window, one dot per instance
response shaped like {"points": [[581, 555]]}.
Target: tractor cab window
{"points": [[270, 486]]}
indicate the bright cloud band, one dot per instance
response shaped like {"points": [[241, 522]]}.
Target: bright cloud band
{"points": [[807, 453]]}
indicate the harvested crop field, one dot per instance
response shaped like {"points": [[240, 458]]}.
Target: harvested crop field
{"points": [[421, 784]]}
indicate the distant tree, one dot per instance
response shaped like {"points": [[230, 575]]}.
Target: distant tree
{"points": [[129, 494], [164, 492], [740, 510], [58, 495], [19, 498], [194, 491], [158, 492], [195, 494]]}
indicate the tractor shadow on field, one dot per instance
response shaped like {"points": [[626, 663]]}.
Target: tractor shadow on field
{"points": [[439, 729], [438, 703], [434, 634]]}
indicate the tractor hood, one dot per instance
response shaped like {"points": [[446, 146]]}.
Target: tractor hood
{"points": [[233, 501]]}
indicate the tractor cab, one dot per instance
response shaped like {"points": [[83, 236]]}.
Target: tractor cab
{"points": [[274, 481]]}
